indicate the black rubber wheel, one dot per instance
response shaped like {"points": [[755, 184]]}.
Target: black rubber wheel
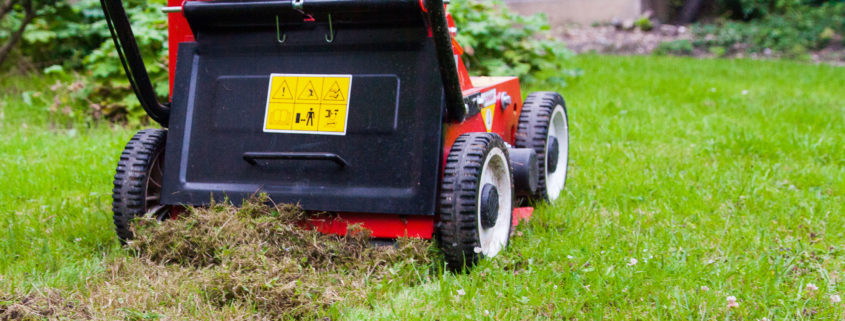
{"points": [[137, 181], [542, 111], [476, 200]]}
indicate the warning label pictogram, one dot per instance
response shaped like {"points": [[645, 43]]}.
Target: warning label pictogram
{"points": [[487, 115], [279, 116], [308, 92], [305, 117], [283, 92], [334, 93], [307, 104], [281, 89]]}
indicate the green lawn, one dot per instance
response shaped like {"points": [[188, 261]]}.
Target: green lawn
{"points": [[690, 181], [55, 191]]}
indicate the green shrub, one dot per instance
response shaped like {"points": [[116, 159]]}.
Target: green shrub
{"points": [[73, 42], [786, 27], [644, 23], [499, 42], [675, 47], [111, 91], [718, 51], [754, 9], [63, 34]]}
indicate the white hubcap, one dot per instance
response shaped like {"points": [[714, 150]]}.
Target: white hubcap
{"points": [[497, 173], [558, 128]]}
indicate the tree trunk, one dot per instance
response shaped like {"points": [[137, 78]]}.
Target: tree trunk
{"points": [[29, 14], [690, 11], [5, 8]]}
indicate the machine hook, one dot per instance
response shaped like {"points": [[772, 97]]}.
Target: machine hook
{"points": [[280, 40], [330, 36]]}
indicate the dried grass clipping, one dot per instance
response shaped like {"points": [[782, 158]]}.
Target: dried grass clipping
{"points": [[223, 261]]}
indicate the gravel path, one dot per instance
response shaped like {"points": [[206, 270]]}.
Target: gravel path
{"points": [[610, 40]]}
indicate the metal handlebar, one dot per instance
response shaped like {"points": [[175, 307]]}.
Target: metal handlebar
{"points": [[133, 63]]}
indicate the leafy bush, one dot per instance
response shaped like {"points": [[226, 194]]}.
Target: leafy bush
{"points": [[73, 42], [676, 47], [63, 34], [754, 9], [644, 23], [499, 42], [111, 91], [786, 27]]}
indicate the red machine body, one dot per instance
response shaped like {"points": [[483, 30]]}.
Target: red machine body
{"points": [[503, 121]]}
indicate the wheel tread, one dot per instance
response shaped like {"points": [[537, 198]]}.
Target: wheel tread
{"points": [[457, 229], [533, 128], [131, 176]]}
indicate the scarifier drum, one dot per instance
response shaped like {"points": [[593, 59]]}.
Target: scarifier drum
{"points": [[357, 110]]}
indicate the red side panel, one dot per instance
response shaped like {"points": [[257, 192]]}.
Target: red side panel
{"points": [[381, 225], [522, 214], [392, 226], [178, 31], [504, 120]]}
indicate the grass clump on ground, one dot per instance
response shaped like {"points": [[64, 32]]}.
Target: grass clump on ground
{"points": [[255, 259]]}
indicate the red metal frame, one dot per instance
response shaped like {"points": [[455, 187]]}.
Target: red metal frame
{"points": [[386, 225], [178, 31]]}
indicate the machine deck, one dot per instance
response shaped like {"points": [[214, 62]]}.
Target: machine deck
{"points": [[235, 132]]}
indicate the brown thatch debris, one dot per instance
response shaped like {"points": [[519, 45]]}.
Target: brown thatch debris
{"points": [[221, 261], [38, 306]]}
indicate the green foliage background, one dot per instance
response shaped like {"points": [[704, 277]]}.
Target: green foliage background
{"points": [[781, 28], [755, 9], [499, 42], [72, 42], [789, 28]]}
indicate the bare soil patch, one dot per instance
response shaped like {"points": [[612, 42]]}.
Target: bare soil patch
{"points": [[612, 40]]}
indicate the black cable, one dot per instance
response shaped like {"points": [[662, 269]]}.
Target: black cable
{"points": [[133, 64]]}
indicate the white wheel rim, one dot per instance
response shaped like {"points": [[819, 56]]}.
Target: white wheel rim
{"points": [[558, 128], [496, 172]]}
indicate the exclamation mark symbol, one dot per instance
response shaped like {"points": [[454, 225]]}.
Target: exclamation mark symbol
{"points": [[281, 92]]}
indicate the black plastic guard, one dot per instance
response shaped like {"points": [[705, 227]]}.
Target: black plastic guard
{"points": [[387, 162]]}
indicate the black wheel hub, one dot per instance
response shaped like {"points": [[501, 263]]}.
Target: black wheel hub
{"points": [[552, 151], [489, 206], [153, 191]]}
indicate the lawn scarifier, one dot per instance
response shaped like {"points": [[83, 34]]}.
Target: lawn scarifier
{"points": [[361, 109]]}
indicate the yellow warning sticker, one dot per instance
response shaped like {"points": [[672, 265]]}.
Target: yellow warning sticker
{"points": [[487, 115], [307, 104]]}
